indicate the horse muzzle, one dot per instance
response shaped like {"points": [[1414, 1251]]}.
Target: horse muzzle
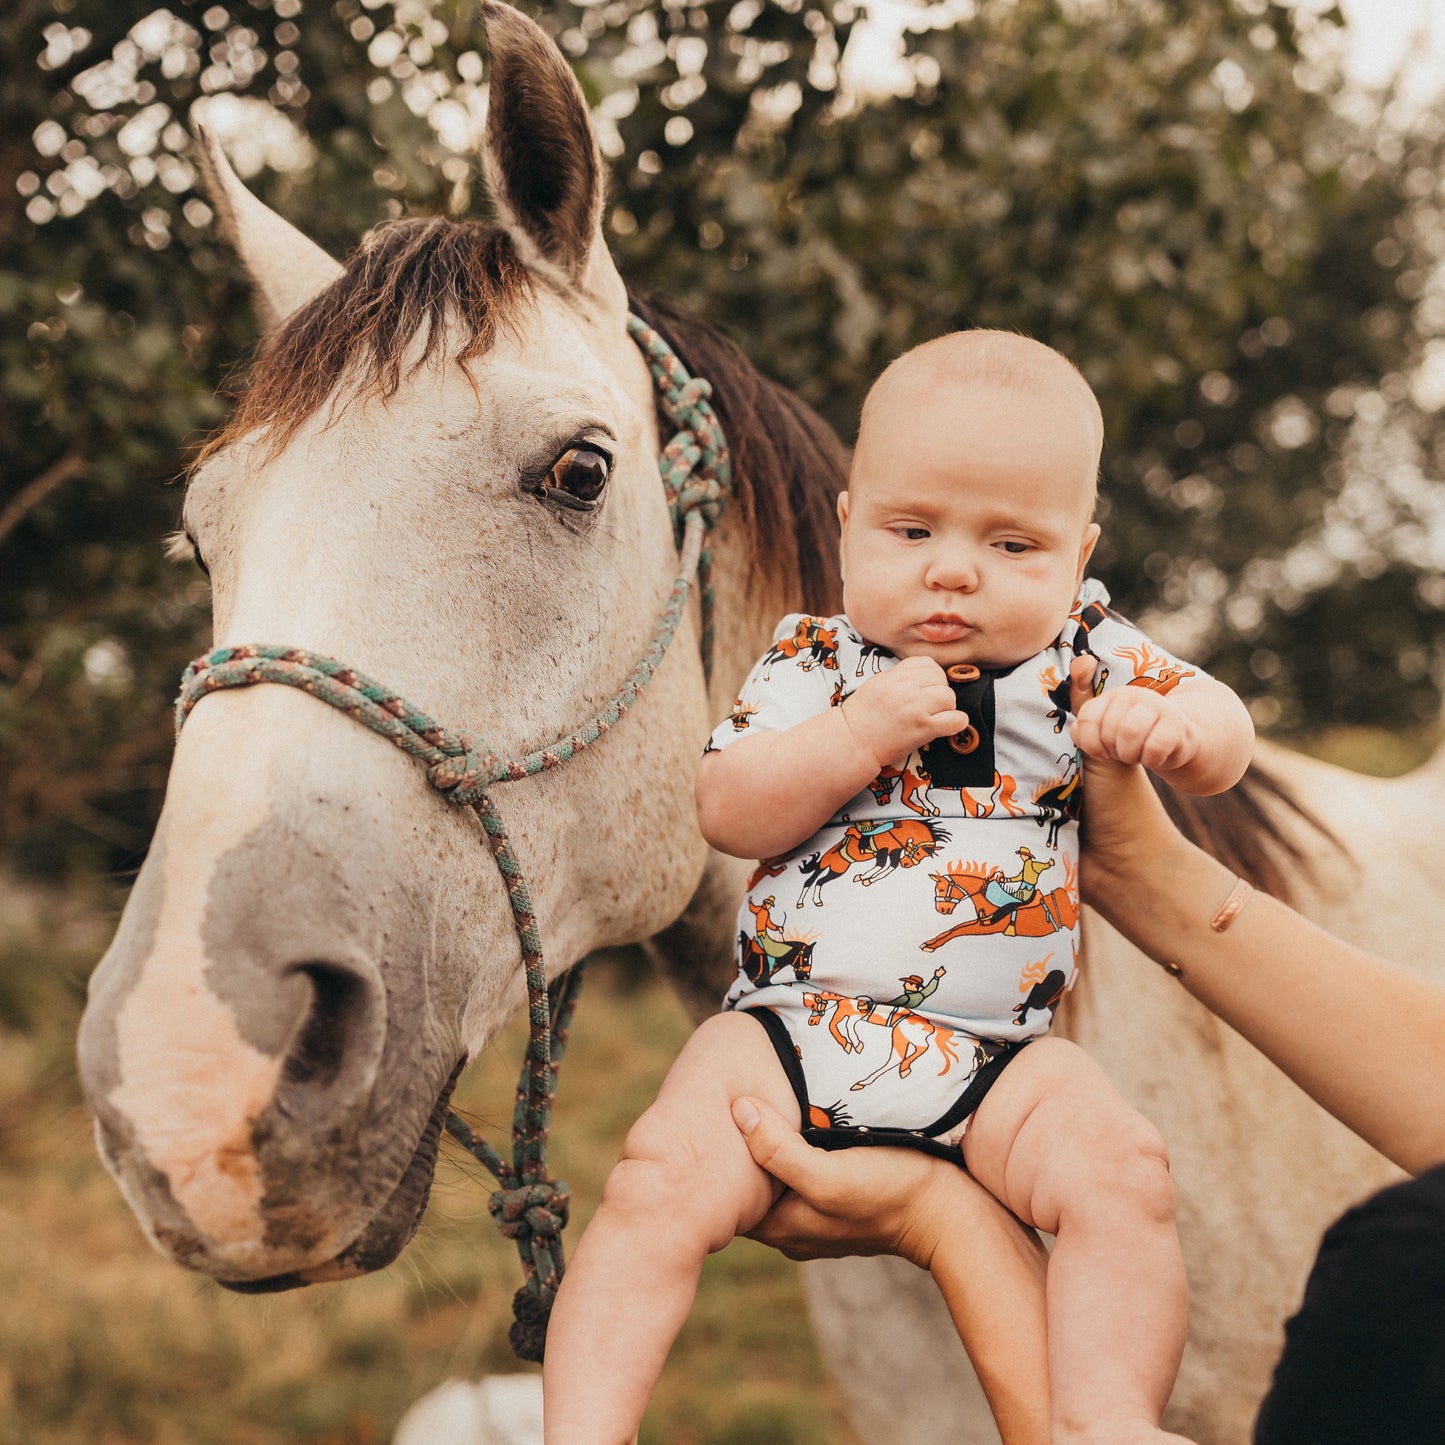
{"points": [[269, 1083]]}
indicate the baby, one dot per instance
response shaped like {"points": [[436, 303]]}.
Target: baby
{"points": [[878, 1001]]}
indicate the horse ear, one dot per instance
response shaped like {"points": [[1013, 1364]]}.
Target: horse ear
{"points": [[286, 268], [541, 159]]}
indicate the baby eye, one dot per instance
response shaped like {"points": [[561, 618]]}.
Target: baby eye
{"points": [[1016, 547], [912, 534]]}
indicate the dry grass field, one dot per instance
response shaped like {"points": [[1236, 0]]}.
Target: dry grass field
{"points": [[102, 1342]]}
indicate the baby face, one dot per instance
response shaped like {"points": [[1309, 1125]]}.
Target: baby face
{"points": [[966, 527]]}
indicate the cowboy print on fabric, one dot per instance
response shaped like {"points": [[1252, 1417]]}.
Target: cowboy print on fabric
{"points": [[933, 922]]}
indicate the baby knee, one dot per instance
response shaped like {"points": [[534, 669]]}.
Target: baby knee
{"points": [[653, 1172], [668, 1180], [1136, 1167]]}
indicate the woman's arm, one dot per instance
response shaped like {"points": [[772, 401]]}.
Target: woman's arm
{"points": [[989, 1268], [1363, 1037]]}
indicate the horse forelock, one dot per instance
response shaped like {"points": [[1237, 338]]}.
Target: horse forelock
{"points": [[452, 284]]}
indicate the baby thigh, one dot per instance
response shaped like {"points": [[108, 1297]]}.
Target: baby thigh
{"points": [[684, 1161], [1055, 1138]]}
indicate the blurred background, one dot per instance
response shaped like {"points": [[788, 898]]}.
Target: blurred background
{"points": [[1229, 213]]}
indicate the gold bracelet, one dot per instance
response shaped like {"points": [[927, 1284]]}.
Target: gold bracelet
{"points": [[1233, 906]]}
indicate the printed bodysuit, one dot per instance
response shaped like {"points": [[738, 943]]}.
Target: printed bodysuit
{"points": [[900, 955]]}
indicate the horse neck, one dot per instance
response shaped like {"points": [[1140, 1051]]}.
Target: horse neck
{"points": [[775, 546], [747, 610]]}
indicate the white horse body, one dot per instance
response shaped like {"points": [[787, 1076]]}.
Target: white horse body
{"points": [[316, 941]]}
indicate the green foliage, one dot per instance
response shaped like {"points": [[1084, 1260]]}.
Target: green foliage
{"points": [[1177, 197]]}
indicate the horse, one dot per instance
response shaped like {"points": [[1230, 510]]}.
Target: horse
{"points": [[1042, 987], [315, 945], [815, 644], [903, 843], [762, 968], [1026, 910], [1060, 801], [915, 783], [910, 1034]]}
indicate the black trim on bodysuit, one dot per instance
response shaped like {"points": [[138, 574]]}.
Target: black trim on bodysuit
{"points": [[865, 1134], [949, 769]]}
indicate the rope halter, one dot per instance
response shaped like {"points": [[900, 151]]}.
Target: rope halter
{"points": [[530, 1207]]}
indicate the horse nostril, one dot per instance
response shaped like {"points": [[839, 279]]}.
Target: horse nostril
{"points": [[331, 1031]]}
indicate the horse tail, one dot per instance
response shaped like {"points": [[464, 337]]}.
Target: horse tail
{"points": [[945, 1047]]}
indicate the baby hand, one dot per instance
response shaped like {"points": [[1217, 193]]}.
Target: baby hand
{"points": [[1136, 725], [902, 709]]}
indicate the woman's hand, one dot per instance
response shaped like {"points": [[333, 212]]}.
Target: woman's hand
{"points": [[988, 1267], [1128, 836], [856, 1201]]}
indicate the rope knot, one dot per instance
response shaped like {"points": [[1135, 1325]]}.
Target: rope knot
{"points": [[685, 403], [465, 771], [691, 476], [696, 466], [531, 1211]]}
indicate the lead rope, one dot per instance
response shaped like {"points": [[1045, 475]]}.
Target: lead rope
{"points": [[529, 1207]]}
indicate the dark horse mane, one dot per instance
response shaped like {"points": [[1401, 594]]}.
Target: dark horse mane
{"points": [[424, 276]]}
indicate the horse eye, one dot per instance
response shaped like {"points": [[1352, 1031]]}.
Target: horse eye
{"points": [[200, 561], [579, 475]]}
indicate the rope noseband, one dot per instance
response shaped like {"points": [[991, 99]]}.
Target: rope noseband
{"points": [[529, 1207]]}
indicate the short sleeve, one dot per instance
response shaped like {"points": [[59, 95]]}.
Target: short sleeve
{"points": [[796, 678], [1127, 657]]}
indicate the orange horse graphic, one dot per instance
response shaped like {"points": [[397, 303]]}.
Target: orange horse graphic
{"points": [[1000, 797], [883, 846], [1015, 906], [915, 786], [767, 868], [742, 714], [911, 1033], [815, 644]]}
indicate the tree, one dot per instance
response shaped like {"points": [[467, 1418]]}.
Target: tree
{"points": [[1173, 195]]}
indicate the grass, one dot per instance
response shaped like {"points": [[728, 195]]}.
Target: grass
{"points": [[104, 1342]]}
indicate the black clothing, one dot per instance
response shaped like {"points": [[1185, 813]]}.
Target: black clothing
{"points": [[1364, 1359]]}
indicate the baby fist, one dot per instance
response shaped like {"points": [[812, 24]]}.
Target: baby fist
{"points": [[1136, 725]]}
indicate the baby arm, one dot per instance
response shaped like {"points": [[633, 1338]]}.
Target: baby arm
{"points": [[1198, 736], [768, 792]]}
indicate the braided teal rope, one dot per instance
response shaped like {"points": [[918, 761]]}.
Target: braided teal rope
{"points": [[529, 1207], [695, 464]]}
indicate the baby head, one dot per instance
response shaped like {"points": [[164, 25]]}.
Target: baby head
{"points": [[967, 522]]}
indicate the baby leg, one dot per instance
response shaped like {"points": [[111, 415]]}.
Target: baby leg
{"points": [[1056, 1143], [684, 1186]]}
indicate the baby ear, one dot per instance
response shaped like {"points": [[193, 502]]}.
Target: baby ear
{"points": [[1086, 549]]}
